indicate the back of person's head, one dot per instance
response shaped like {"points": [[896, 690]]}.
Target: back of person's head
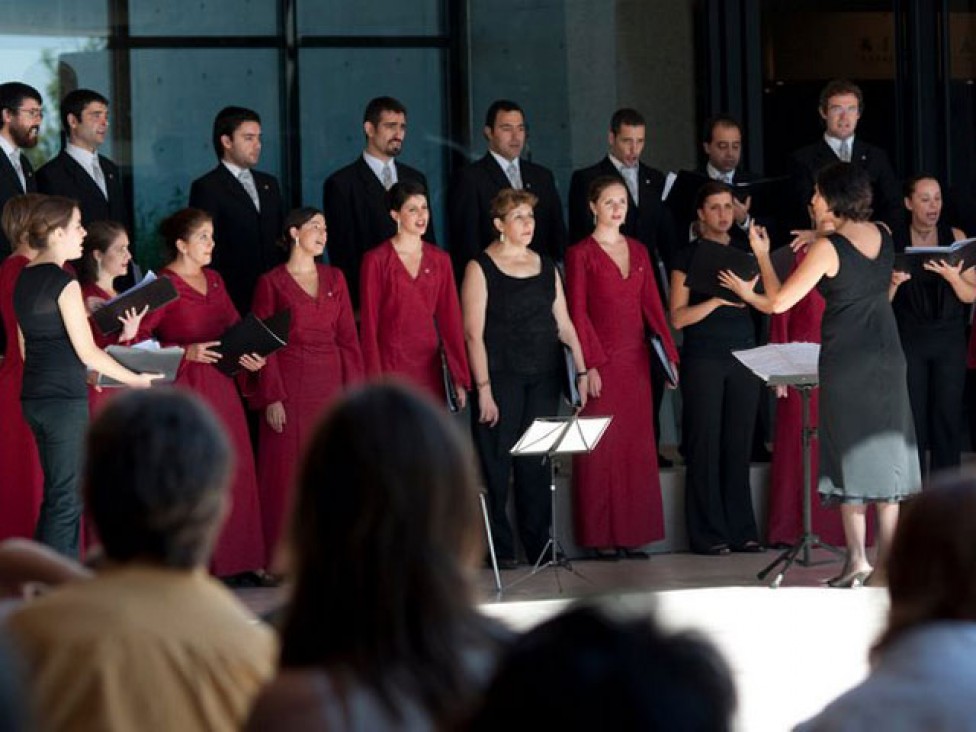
{"points": [[227, 121], [385, 533], [74, 104], [376, 106], [847, 190], [932, 566], [99, 236], [584, 670], [155, 478], [48, 214], [16, 217]]}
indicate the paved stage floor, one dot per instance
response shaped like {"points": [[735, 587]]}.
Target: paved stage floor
{"points": [[792, 649]]}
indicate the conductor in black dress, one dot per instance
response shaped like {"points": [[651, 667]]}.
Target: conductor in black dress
{"points": [[20, 122], [354, 197], [245, 205], [647, 221], [841, 105], [79, 172], [476, 185]]}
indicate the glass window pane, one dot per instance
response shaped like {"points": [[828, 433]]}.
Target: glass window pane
{"points": [[336, 86], [203, 18], [175, 96], [54, 65], [377, 18]]}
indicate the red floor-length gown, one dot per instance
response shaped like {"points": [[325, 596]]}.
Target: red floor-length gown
{"points": [[322, 356], [618, 490], [799, 324], [21, 477], [397, 314], [197, 318]]}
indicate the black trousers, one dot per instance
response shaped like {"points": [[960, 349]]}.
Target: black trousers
{"points": [[719, 398], [520, 400], [59, 430], [936, 361]]}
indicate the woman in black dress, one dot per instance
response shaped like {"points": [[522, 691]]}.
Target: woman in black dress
{"points": [[58, 345], [719, 395], [515, 317], [932, 311], [867, 438]]}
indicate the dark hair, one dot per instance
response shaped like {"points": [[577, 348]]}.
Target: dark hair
{"points": [[709, 189], [932, 566], [912, 182], [497, 107], [13, 94], [227, 121], [376, 106], [99, 237], [296, 218], [385, 533], [16, 217], [155, 477], [509, 198], [181, 225], [847, 190], [599, 184], [75, 102], [50, 213], [401, 191], [585, 670], [626, 116], [836, 87], [719, 120]]}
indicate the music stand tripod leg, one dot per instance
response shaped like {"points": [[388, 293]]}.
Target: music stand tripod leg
{"points": [[491, 543]]}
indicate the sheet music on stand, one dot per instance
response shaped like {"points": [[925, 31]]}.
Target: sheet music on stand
{"points": [[553, 434], [783, 363]]}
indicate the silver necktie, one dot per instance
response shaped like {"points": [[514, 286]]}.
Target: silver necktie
{"points": [[247, 180], [514, 177], [386, 176], [844, 151], [99, 177]]}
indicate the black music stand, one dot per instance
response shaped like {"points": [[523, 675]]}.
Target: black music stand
{"points": [[549, 437], [785, 364]]}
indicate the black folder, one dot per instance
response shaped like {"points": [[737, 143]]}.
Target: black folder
{"points": [[155, 293], [165, 361], [571, 392], [252, 335], [963, 251], [766, 194], [709, 259], [657, 348]]}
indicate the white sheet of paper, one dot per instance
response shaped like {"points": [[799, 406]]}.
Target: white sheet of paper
{"points": [[542, 435], [784, 363]]}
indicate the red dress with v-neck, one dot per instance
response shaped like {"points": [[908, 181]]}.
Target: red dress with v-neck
{"points": [[21, 477], [397, 315], [321, 358], [618, 490], [196, 318]]}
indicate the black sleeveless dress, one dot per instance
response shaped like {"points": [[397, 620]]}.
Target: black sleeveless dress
{"points": [[867, 435]]}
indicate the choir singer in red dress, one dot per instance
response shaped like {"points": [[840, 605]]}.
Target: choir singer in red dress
{"points": [[613, 301], [196, 321], [409, 303], [299, 381]]}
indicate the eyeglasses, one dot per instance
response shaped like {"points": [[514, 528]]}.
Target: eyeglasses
{"points": [[35, 113]]}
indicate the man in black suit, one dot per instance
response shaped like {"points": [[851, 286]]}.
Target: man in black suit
{"points": [[841, 102], [245, 204], [20, 122], [78, 171], [473, 188], [647, 219], [354, 197]]}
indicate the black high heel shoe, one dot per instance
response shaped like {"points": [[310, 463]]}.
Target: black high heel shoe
{"points": [[849, 580]]}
